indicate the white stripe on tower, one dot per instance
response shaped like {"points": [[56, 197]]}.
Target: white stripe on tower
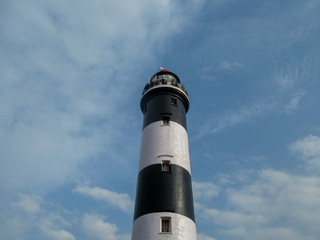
{"points": [[164, 201], [164, 143], [148, 227]]}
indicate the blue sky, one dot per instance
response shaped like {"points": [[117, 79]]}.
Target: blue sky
{"points": [[72, 74]]}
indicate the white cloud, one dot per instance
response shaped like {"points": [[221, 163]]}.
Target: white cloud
{"points": [[269, 203], [66, 70], [33, 215], [53, 224], [96, 228], [274, 204], [65, 76], [55, 234], [309, 148], [28, 217], [120, 200], [29, 204], [204, 190]]}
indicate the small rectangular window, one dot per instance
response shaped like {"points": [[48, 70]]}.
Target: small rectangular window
{"points": [[173, 101], [165, 166], [165, 224], [165, 121]]}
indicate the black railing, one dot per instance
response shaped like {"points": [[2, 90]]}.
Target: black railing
{"points": [[164, 82]]}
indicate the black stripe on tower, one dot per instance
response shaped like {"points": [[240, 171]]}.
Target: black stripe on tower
{"points": [[159, 191], [164, 102]]}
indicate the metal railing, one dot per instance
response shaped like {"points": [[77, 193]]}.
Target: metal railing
{"points": [[172, 82]]}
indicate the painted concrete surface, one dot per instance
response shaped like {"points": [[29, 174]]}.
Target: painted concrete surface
{"points": [[161, 142], [148, 227]]}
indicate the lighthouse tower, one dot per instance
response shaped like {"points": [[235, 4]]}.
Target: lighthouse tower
{"points": [[164, 201]]}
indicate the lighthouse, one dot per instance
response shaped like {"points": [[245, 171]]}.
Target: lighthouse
{"points": [[164, 201]]}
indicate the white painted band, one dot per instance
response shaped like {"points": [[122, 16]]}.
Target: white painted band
{"points": [[148, 227], [161, 142]]}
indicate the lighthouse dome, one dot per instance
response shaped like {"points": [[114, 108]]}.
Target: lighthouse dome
{"points": [[164, 75]]}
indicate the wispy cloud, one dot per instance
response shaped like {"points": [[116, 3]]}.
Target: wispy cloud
{"points": [[29, 204], [282, 82], [291, 76], [294, 101], [120, 200], [291, 81], [285, 97], [288, 76], [233, 118], [209, 73], [229, 66]]}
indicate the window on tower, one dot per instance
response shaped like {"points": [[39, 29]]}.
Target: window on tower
{"points": [[166, 224], [165, 121], [173, 101], [165, 166]]}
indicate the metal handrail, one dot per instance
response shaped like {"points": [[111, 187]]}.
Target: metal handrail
{"points": [[164, 82]]}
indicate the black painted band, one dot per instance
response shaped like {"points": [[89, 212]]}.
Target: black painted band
{"points": [[164, 105], [164, 90], [159, 191]]}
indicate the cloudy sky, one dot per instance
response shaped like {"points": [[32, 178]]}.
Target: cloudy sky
{"points": [[71, 78]]}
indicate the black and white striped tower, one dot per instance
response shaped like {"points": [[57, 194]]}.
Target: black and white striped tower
{"points": [[164, 201]]}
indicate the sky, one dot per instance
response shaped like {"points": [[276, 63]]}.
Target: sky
{"points": [[71, 78]]}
